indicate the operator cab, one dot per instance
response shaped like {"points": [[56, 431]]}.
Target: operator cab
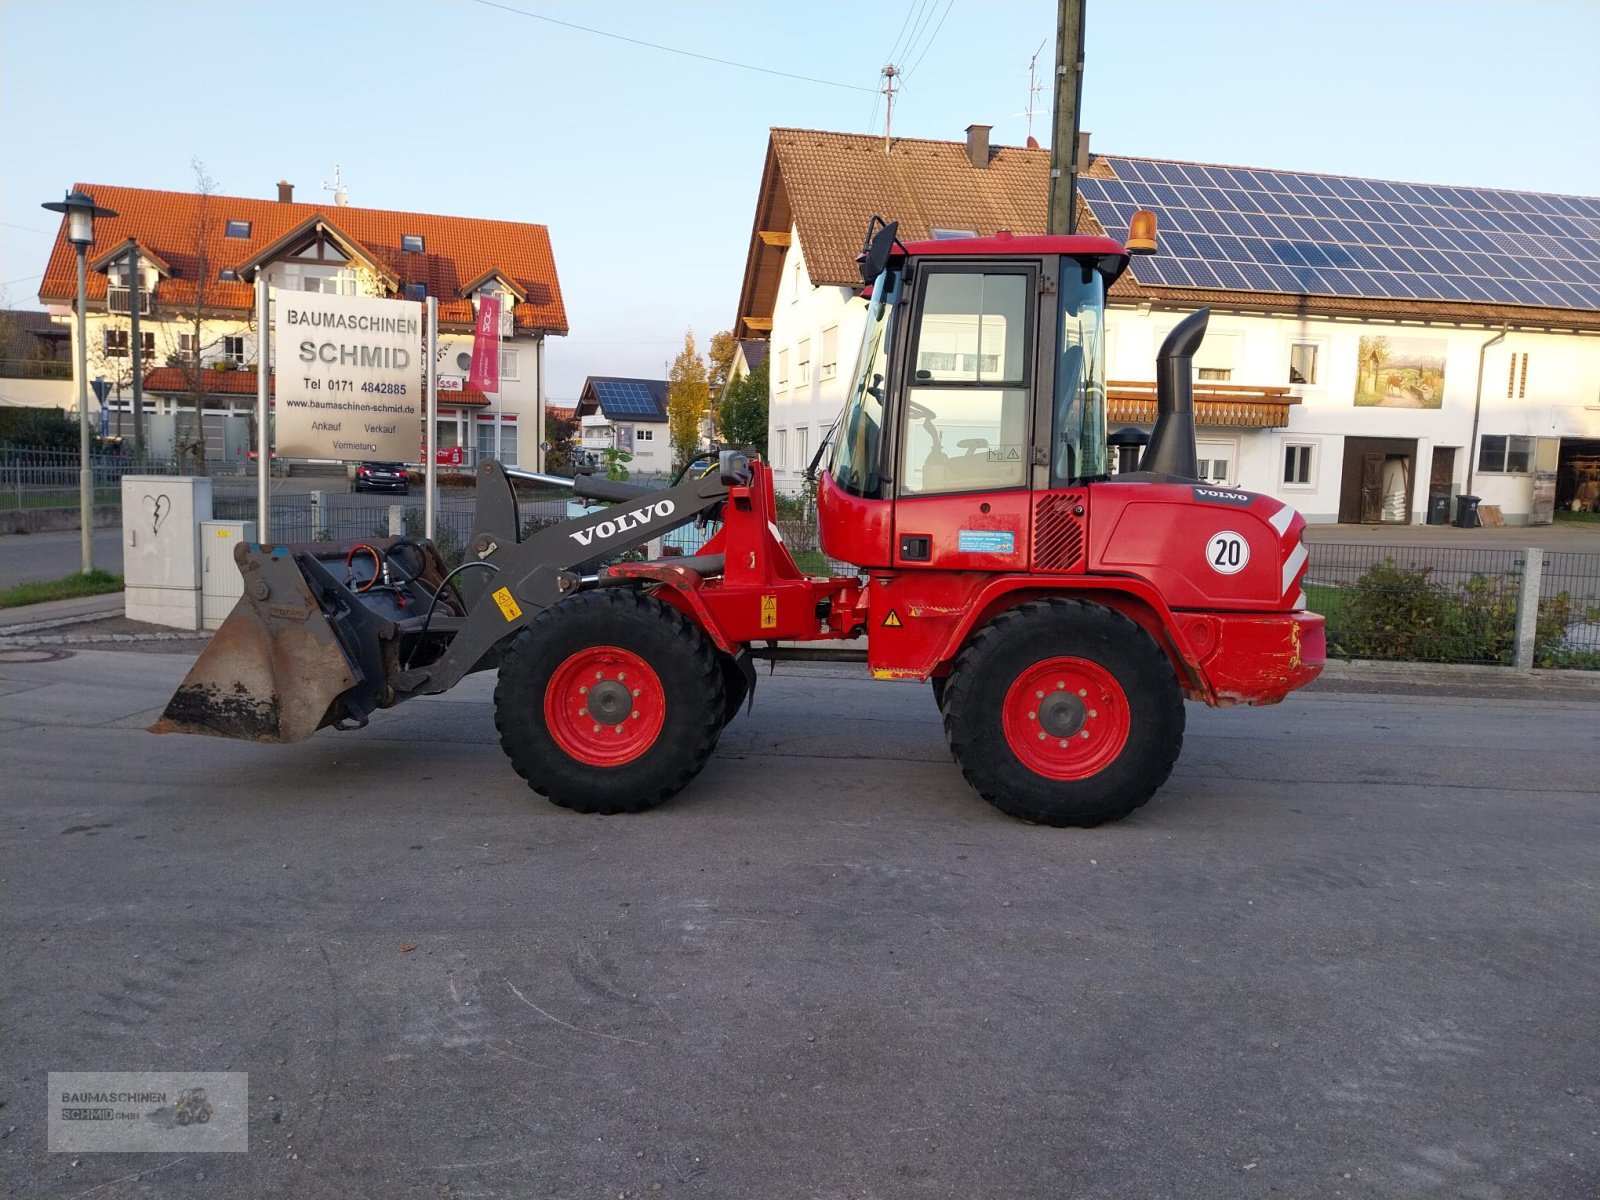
{"points": [[980, 381]]}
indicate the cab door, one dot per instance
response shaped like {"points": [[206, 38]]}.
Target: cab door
{"points": [[962, 449]]}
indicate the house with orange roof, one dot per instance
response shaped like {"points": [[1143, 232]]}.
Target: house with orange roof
{"points": [[198, 256], [1375, 349]]}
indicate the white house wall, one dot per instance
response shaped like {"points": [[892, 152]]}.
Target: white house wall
{"points": [[801, 414], [1562, 392], [1562, 399]]}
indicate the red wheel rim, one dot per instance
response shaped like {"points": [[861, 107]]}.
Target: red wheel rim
{"points": [[604, 706], [1066, 718]]}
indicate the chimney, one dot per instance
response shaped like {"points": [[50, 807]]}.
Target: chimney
{"points": [[285, 192], [1083, 154], [978, 146]]}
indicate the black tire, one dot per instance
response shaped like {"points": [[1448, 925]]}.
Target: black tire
{"points": [[1097, 780], [734, 688], [685, 697], [938, 682]]}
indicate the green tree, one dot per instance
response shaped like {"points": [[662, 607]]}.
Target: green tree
{"points": [[742, 414], [561, 435], [688, 398], [616, 460], [720, 357]]}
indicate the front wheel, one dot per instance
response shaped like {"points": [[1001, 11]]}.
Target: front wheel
{"points": [[1062, 712], [609, 702]]}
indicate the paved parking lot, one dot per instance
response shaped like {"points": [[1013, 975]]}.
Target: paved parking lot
{"points": [[1350, 950]]}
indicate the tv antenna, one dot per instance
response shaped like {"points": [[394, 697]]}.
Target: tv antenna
{"points": [[341, 194], [1034, 88]]}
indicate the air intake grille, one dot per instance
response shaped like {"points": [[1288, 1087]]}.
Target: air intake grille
{"points": [[1058, 533]]}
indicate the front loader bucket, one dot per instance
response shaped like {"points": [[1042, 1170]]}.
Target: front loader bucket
{"points": [[298, 651]]}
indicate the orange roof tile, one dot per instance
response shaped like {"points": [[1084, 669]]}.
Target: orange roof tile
{"points": [[829, 185], [458, 250]]}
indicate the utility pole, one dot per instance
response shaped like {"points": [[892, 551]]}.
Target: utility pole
{"points": [[890, 71], [1069, 95], [135, 350]]}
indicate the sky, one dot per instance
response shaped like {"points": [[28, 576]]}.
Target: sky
{"points": [[645, 164]]}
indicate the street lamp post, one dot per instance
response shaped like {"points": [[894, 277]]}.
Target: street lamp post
{"points": [[81, 210]]}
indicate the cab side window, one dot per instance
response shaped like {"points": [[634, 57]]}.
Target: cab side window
{"points": [[966, 420]]}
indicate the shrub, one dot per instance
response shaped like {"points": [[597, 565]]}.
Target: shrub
{"points": [[1401, 613]]}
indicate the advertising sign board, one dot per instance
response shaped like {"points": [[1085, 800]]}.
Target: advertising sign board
{"points": [[349, 384]]}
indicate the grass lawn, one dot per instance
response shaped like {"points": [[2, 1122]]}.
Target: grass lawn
{"points": [[1577, 518], [96, 583], [1325, 599], [56, 498]]}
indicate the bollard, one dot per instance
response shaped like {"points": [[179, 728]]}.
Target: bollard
{"points": [[1528, 607], [397, 520]]}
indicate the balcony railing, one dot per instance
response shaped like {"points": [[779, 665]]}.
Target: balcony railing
{"points": [[117, 300], [35, 368], [1134, 403]]}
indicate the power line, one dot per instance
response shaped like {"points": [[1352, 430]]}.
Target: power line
{"points": [[726, 62], [933, 38], [28, 229], [20, 278], [912, 6], [921, 24]]}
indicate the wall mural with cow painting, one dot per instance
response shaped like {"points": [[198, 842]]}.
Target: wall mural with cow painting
{"points": [[1400, 372]]}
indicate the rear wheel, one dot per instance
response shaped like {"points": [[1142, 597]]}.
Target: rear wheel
{"points": [[609, 702], [1062, 712]]}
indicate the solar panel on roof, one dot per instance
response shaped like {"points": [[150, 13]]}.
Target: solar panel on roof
{"points": [[1332, 235]]}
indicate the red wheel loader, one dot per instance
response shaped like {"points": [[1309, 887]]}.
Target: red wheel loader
{"points": [[1061, 613]]}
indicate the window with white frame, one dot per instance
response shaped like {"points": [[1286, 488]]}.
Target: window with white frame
{"points": [[645, 435], [1217, 360], [802, 447], [780, 450], [794, 285], [802, 363], [830, 352], [1504, 454], [232, 349], [117, 344], [1303, 362], [783, 369], [319, 278], [186, 347], [1299, 464], [1218, 462], [508, 364]]}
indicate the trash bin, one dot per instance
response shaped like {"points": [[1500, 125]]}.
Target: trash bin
{"points": [[1467, 512], [1439, 508]]}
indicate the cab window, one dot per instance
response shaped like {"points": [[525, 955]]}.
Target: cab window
{"points": [[966, 417]]}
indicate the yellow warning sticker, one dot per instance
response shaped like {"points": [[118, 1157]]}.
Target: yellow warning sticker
{"points": [[509, 608], [769, 612], [892, 621]]}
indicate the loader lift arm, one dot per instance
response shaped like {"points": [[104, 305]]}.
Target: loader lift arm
{"points": [[531, 576], [302, 650]]}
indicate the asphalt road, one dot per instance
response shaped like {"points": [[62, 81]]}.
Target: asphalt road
{"points": [[1350, 950], [30, 557]]}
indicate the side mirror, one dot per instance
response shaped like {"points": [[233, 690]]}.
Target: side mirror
{"points": [[734, 469], [876, 248]]}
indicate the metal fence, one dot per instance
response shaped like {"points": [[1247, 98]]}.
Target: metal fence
{"points": [[1458, 604], [49, 478]]}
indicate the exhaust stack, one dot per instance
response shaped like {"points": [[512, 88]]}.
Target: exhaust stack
{"points": [[1172, 449]]}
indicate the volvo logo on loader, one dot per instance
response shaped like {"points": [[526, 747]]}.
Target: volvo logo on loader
{"points": [[624, 521]]}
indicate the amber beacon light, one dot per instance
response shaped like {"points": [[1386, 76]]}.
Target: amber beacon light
{"points": [[1142, 232]]}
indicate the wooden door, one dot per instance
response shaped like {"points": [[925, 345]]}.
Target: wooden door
{"points": [[1443, 472], [1371, 489]]}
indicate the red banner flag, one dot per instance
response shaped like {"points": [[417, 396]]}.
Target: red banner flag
{"points": [[485, 374]]}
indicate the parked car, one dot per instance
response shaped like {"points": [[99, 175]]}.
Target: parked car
{"points": [[382, 477]]}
